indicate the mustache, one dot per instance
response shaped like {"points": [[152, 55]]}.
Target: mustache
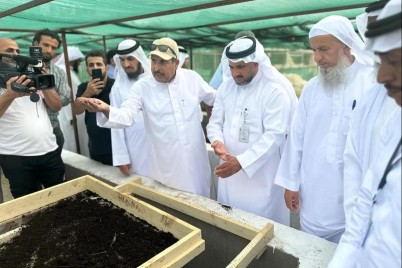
{"points": [[392, 88], [158, 73]]}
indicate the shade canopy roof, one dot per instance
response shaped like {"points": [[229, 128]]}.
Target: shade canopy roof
{"points": [[101, 24]]}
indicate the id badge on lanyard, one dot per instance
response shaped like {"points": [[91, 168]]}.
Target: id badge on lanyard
{"points": [[244, 130]]}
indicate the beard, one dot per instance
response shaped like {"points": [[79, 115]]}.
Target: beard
{"points": [[76, 66], [46, 59], [333, 76], [134, 75], [245, 81]]}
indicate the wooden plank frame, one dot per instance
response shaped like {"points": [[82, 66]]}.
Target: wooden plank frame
{"points": [[190, 242], [258, 238]]}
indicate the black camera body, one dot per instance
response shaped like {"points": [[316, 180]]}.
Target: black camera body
{"points": [[16, 65]]}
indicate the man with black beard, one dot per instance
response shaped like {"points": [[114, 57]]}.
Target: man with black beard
{"points": [[50, 41], [99, 139], [247, 130], [311, 168], [129, 145]]}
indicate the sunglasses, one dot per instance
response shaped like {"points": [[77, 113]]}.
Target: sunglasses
{"points": [[162, 48]]}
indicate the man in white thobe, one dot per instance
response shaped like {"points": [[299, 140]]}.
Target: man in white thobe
{"points": [[372, 236], [75, 56], [169, 100], [367, 126], [247, 129], [312, 164], [129, 145]]}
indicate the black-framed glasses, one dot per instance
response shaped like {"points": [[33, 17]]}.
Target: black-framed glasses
{"points": [[162, 48]]}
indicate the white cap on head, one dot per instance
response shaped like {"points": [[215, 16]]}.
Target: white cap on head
{"points": [[341, 28], [74, 53], [385, 34]]}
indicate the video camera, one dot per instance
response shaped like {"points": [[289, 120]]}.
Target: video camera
{"points": [[17, 65]]}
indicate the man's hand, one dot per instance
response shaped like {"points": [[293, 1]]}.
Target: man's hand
{"points": [[292, 200], [19, 80], [94, 87], [51, 99], [125, 169], [43, 69], [10, 95], [94, 105], [228, 168], [220, 150]]}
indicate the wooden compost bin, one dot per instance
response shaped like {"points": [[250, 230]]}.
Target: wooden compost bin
{"points": [[257, 238], [189, 243]]}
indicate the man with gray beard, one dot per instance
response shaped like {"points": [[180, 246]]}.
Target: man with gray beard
{"points": [[129, 145], [311, 168]]}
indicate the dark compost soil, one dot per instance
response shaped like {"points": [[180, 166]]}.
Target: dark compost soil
{"points": [[84, 231]]}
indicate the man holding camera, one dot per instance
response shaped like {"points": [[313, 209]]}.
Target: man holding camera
{"points": [[28, 148], [49, 42], [99, 87]]}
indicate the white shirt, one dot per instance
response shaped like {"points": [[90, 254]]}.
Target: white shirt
{"points": [[26, 129], [312, 162], [177, 150], [265, 109], [372, 236], [65, 117], [129, 145], [366, 130]]}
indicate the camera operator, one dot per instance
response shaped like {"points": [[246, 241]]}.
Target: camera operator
{"points": [[28, 149], [9, 46], [50, 41]]}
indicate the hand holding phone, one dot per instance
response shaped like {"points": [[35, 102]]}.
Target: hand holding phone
{"points": [[97, 73]]}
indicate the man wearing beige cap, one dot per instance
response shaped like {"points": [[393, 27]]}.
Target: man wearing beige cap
{"points": [[169, 101]]}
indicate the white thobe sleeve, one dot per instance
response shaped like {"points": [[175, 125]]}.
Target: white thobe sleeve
{"points": [[206, 93], [126, 115], [357, 226], [288, 175], [352, 166], [119, 147], [275, 120], [217, 119]]}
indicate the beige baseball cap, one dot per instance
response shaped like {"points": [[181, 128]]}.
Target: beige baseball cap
{"points": [[166, 48]]}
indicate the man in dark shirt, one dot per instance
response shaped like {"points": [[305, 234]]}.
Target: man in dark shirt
{"points": [[100, 145]]}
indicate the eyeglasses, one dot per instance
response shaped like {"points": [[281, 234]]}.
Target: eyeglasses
{"points": [[162, 48]]}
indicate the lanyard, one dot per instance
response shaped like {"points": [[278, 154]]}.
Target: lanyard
{"points": [[389, 167], [381, 185]]}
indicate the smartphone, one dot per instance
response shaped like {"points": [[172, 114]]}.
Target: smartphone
{"points": [[97, 73]]}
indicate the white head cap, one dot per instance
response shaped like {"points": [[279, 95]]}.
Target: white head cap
{"points": [[341, 28], [74, 53]]}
